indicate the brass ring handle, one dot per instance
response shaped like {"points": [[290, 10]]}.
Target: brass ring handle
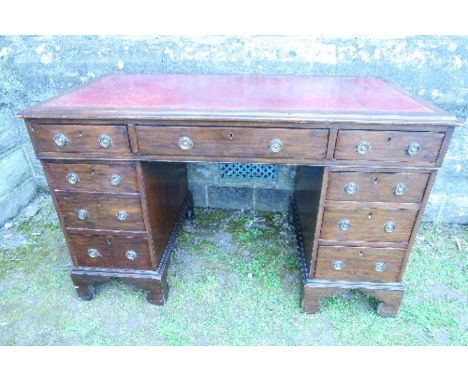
{"points": [[344, 225], [105, 141], [122, 215], [185, 143], [115, 180], [379, 267], [363, 147], [82, 214], [338, 265], [413, 149], [276, 145], [351, 188], [72, 178], [390, 226], [93, 252], [60, 140], [400, 189], [131, 254]]}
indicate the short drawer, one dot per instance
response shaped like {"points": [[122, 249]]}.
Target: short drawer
{"points": [[92, 177], [347, 222], [232, 142], [388, 146], [111, 212], [377, 186], [111, 251], [359, 264], [94, 140]]}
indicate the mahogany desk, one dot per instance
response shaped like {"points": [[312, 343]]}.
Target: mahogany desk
{"points": [[114, 153]]}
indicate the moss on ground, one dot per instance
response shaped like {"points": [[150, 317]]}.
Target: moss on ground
{"points": [[234, 281]]}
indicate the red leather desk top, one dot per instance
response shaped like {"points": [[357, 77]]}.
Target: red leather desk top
{"points": [[123, 93]]}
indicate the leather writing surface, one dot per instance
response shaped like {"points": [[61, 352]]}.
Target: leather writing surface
{"points": [[242, 92]]}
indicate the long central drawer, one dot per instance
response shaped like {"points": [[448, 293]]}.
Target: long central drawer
{"points": [[232, 142]]}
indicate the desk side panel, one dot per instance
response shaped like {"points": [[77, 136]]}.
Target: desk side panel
{"points": [[163, 188], [308, 195]]}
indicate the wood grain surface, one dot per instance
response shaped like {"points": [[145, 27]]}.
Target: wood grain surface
{"points": [[101, 211], [112, 251], [377, 186], [93, 177], [232, 142], [388, 146], [359, 263]]}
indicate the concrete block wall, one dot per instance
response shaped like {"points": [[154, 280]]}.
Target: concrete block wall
{"points": [[35, 68], [210, 189]]}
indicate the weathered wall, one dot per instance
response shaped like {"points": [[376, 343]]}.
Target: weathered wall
{"points": [[35, 68]]}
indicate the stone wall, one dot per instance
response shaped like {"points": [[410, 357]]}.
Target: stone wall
{"points": [[35, 68]]}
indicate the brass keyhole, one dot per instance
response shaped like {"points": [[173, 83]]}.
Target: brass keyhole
{"points": [[230, 136]]}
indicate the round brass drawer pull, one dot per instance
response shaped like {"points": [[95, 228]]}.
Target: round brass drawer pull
{"points": [[390, 226], [60, 140], [363, 147], [122, 215], [338, 265], [73, 178], [131, 254], [413, 149], [379, 267], [185, 143], [105, 141], [276, 145], [400, 189], [93, 252], [115, 180], [344, 225], [82, 214], [351, 188]]}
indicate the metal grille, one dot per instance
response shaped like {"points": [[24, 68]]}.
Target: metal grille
{"points": [[248, 171]]}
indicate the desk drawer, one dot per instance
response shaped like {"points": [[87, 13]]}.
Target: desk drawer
{"points": [[359, 264], [111, 252], [116, 212], [388, 146], [348, 222], [95, 140], [232, 142], [115, 178], [376, 186]]}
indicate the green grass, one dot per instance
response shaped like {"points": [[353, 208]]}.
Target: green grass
{"points": [[234, 281]]}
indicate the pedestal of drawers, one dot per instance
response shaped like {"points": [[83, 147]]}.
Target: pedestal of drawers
{"points": [[117, 220], [365, 228]]}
